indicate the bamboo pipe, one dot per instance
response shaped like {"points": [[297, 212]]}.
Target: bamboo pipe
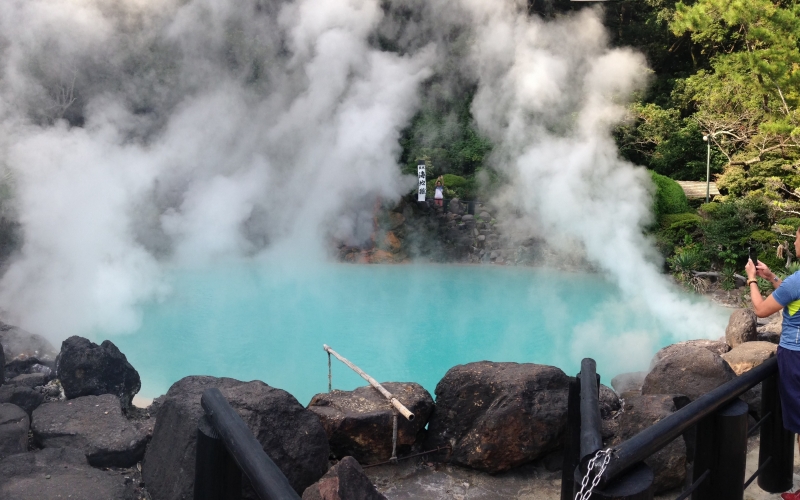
{"points": [[374, 383]]}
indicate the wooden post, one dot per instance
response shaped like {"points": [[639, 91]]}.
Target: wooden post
{"points": [[775, 442], [216, 476], [721, 448], [572, 439], [374, 383]]}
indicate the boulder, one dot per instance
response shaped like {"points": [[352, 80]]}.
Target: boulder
{"points": [[769, 336], [396, 220], [14, 424], [20, 344], [87, 369], [291, 435], [741, 327], [747, 356], [344, 481], [29, 380], [60, 473], [691, 371], [629, 381], [496, 416], [609, 402], [639, 413], [455, 207], [93, 424], [25, 397], [715, 346], [359, 423], [391, 242], [22, 365]]}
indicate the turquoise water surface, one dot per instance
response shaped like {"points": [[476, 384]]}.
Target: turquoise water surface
{"points": [[398, 323]]}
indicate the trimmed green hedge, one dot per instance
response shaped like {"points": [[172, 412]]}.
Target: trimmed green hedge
{"points": [[669, 197]]}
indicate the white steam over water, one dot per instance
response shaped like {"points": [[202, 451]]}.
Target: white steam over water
{"points": [[138, 135]]}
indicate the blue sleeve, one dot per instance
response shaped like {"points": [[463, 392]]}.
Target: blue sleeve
{"points": [[787, 292]]}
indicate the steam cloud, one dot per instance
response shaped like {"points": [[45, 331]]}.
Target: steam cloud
{"points": [[142, 134]]}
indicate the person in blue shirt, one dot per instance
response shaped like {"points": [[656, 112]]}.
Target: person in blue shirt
{"points": [[787, 297]]}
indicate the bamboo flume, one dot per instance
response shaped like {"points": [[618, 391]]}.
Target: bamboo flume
{"points": [[374, 383]]}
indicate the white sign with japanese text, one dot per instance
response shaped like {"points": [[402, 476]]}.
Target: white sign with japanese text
{"points": [[422, 183]]}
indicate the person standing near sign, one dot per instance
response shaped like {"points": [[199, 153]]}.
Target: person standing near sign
{"points": [[438, 195], [787, 297]]}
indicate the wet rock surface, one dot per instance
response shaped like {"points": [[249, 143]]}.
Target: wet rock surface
{"points": [[344, 481], [690, 370], [93, 424], [292, 436], [87, 369], [639, 413], [14, 425], [741, 327], [748, 355], [54, 473], [359, 423], [497, 416]]}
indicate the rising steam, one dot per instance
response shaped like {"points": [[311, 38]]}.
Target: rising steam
{"points": [[141, 134]]}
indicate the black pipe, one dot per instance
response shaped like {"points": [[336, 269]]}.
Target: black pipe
{"points": [[591, 437], [655, 437], [266, 478]]}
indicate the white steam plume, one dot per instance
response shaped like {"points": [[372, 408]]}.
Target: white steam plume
{"points": [[140, 134], [548, 95], [146, 133]]}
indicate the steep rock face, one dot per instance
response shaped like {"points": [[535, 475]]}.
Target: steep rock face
{"points": [[292, 436], [690, 370], [88, 369], [496, 416], [359, 423], [59, 473], [742, 327], [344, 481], [93, 424], [641, 412]]}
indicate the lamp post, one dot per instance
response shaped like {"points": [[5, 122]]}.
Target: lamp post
{"points": [[708, 166], [708, 138]]}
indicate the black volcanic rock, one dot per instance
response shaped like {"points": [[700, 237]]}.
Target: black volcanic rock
{"points": [[94, 425], [14, 424], [59, 473], [292, 436], [88, 369], [359, 423], [344, 481], [497, 416]]}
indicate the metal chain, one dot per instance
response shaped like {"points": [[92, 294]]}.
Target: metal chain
{"points": [[606, 457]]}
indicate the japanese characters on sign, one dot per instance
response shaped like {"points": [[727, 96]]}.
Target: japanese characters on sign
{"points": [[422, 183]]}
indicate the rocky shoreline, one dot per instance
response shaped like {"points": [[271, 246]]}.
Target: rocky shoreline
{"points": [[67, 425]]}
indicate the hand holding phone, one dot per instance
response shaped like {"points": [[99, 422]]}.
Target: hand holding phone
{"points": [[754, 256]]}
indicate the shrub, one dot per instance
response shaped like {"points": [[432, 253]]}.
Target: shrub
{"points": [[452, 181], [728, 228], [669, 197], [674, 228]]}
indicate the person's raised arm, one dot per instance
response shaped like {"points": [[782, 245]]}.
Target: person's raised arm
{"points": [[761, 306]]}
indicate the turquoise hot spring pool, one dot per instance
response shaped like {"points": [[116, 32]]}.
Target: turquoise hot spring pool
{"points": [[398, 323]]}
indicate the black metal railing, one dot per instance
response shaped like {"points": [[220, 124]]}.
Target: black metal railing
{"points": [[716, 425], [226, 450]]}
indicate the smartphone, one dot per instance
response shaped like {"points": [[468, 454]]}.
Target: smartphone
{"points": [[753, 256]]}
